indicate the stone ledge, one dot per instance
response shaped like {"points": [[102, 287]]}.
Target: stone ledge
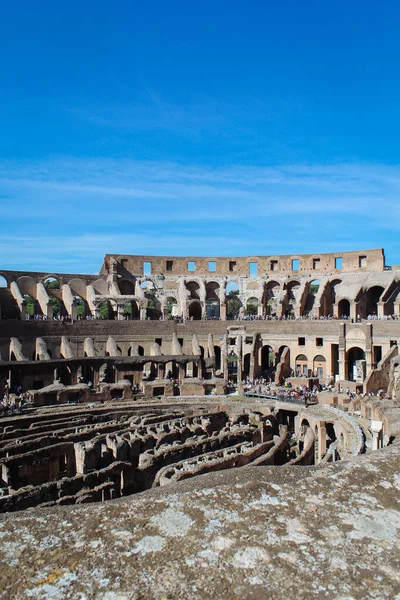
{"points": [[254, 532]]}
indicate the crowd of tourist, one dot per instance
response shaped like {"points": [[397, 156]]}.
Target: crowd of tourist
{"points": [[180, 319], [14, 402], [263, 386]]}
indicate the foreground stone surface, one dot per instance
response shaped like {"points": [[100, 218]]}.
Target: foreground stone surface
{"points": [[254, 532]]}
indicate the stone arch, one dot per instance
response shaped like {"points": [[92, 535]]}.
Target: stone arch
{"points": [[100, 286], [32, 306], [191, 369], [64, 375], [149, 371], [85, 373], [266, 358], [106, 310], [3, 282], [301, 365], [290, 300], [27, 285], [271, 298], [213, 300], [51, 282], [312, 288], [319, 366], [353, 357], [195, 310], [372, 297], [106, 373], [344, 308], [328, 298], [193, 287], [172, 306], [252, 306], [233, 301], [78, 287]]}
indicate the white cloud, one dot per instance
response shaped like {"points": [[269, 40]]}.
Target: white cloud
{"points": [[69, 212]]}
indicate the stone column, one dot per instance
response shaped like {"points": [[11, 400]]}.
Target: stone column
{"points": [[120, 311], [336, 310], [222, 312], [142, 314]]}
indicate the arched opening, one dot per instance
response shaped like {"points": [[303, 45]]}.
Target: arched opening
{"points": [[344, 309], [372, 298], [291, 297], [312, 291], [85, 374], [356, 364], [172, 307], [172, 370], [212, 309], [153, 306], [57, 306], [126, 288], [252, 306], [233, 302], [106, 310], [267, 361], [319, 366], [270, 299], [301, 365], [212, 300], [328, 298], [81, 307], [3, 282], [131, 310], [194, 290], [246, 365], [31, 305], [149, 371], [106, 373], [195, 310], [52, 283], [64, 375], [191, 369]]}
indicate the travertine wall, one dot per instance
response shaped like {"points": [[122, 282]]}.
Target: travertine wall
{"points": [[365, 260]]}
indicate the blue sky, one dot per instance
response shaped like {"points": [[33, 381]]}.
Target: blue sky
{"points": [[182, 128]]}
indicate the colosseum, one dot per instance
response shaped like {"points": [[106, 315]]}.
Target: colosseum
{"points": [[145, 411]]}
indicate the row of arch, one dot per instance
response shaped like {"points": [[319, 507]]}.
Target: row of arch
{"points": [[271, 298]]}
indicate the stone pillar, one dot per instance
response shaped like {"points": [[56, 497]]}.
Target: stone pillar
{"points": [[259, 310], [222, 312], [96, 377], [142, 314], [342, 364], [321, 442], [200, 369], [181, 372], [353, 311], [120, 311], [74, 374], [160, 371], [335, 308]]}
